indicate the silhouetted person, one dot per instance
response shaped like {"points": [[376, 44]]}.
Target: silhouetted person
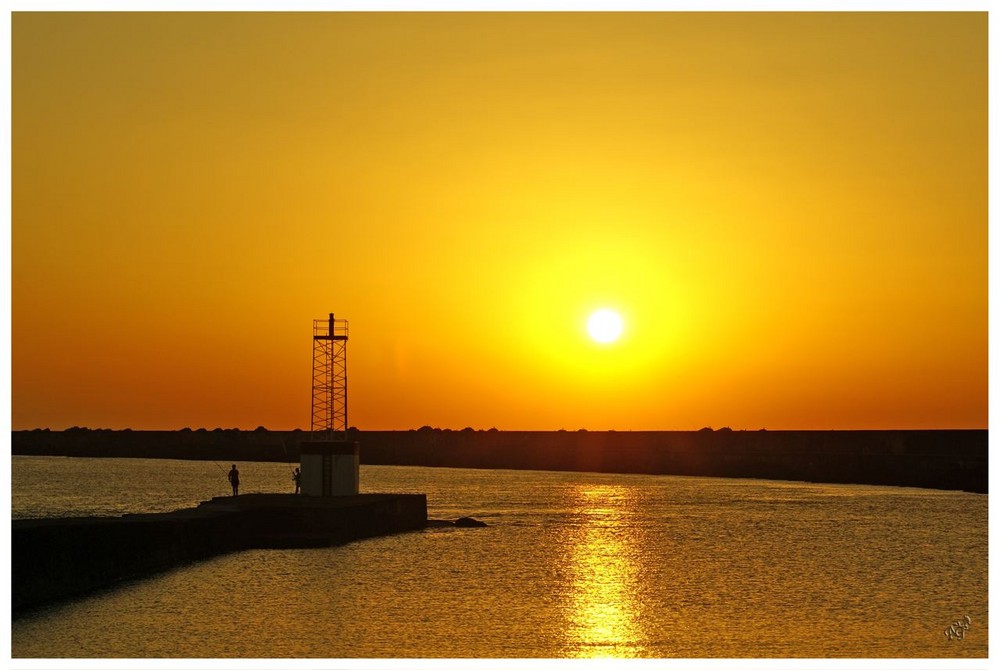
{"points": [[296, 476], [234, 479]]}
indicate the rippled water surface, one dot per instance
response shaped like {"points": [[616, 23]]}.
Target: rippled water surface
{"points": [[571, 565]]}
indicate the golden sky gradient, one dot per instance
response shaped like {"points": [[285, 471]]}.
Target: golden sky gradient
{"points": [[789, 211]]}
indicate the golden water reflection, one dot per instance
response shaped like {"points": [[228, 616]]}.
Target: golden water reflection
{"points": [[604, 608]]}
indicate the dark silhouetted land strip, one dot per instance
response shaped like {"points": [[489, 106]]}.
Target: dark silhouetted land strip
{"points": [[58, 559], [941, 459]]}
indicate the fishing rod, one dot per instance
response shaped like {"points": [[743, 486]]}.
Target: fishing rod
{"points": [[288, 461], [224, 471]]}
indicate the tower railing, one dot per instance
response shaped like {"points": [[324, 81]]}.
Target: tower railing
{"points": [[321, 328]]}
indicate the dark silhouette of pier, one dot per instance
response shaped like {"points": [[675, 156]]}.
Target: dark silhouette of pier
{"points": [[58, 559]]}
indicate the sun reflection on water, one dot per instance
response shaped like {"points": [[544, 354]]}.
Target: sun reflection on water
{"points": [[603, 605]]}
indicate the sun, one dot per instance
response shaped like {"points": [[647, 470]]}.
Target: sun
{"points": [[605, 326]]}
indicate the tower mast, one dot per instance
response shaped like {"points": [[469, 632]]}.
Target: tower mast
{"points": [[330, 462]]}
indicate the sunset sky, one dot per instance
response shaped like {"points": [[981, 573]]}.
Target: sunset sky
{"points": [[788, 212]]}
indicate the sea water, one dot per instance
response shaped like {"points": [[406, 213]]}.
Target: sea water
{"points": [[571, 565]]}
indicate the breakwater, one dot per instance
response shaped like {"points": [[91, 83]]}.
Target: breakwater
{"points": [[942, 459], [56, 559]]}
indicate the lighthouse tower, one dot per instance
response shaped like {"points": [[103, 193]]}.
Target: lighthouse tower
{"points": [[330, 462]]}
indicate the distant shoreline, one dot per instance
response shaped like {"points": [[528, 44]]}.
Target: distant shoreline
{"points": [[937, 459]]}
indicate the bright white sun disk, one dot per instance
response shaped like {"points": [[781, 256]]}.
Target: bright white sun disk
{"points": [[604, 325]]}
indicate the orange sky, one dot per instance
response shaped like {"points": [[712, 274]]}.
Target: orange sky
{"points": [[789, 211]]}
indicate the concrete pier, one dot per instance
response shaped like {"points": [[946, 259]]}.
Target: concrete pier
{"points": [[58, 559]]}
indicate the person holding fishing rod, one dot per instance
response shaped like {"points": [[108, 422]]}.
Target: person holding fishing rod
{"points": [[234, 479]]}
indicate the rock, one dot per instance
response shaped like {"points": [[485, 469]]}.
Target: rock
{"points": [[469, 522], [438, 523]]}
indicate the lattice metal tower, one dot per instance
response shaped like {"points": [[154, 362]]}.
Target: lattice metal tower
{"points": [[329, 386]]}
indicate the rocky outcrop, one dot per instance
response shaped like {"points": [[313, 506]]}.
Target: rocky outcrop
{"points": [[941, 459], [469, 522], [463, 522]]}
